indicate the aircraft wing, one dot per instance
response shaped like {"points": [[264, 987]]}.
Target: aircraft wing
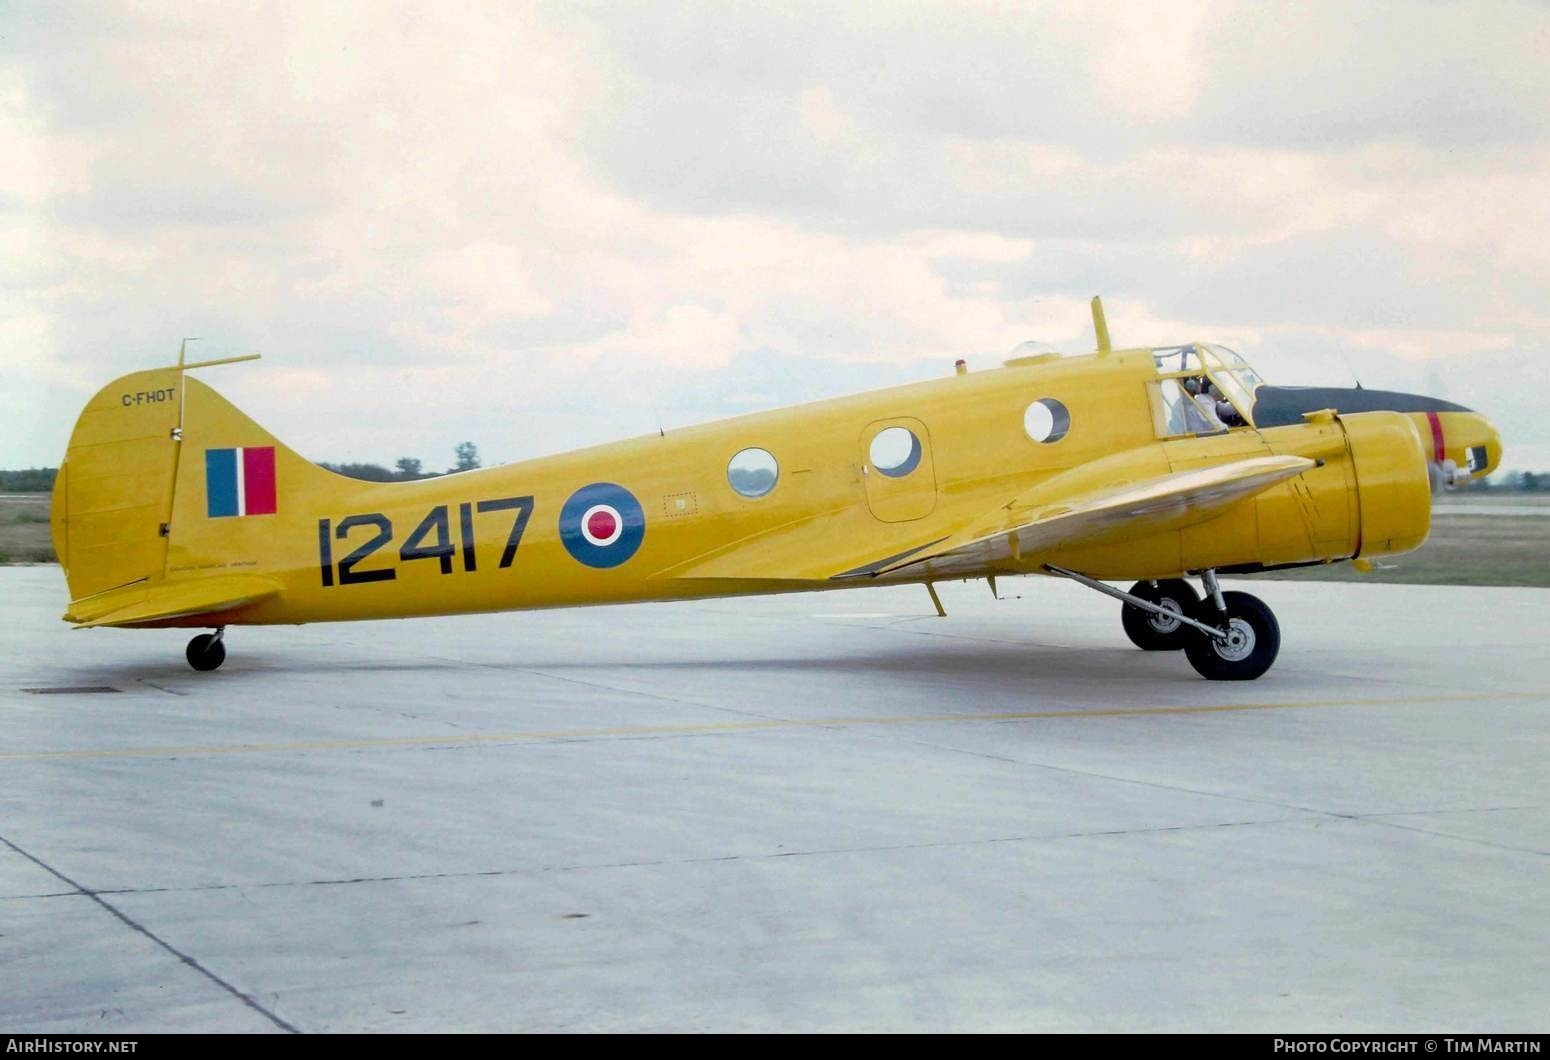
{"points": [[825, 547], [141, 602], [1029, 524]]}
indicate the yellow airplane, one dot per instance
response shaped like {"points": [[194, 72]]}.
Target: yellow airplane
{"points": [[172, 508]]}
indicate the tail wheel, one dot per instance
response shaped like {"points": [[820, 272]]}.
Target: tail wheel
{"points": [[1153, 632], [1253, 640], [205, 652]]}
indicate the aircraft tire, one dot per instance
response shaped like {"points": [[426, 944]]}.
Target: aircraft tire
{"points": [[205, 652], [1253, 646], [1151, 632]]}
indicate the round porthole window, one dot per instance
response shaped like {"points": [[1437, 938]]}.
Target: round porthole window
{"points": [[895, 451], [753, 472], [1046, 420]]}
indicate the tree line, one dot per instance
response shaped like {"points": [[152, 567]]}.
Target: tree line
{"points": [[407, 469], [29, 480], [1515, 482]]}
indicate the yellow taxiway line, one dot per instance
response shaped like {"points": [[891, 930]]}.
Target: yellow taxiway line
{"points": [[753, 725]]}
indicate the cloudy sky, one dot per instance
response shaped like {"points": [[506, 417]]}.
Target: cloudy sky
{"points": [[543, 226]]}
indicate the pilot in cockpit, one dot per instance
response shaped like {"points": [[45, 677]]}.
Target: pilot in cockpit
{"points": [[1198, 387], [1224, 409]]}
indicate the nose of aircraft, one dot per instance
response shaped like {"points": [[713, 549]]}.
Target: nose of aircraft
{"points": [[1463, 444], [1493, 447], [1460, 443]]}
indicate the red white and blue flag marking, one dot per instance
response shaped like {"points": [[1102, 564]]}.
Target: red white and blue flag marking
{"points": [[239, 482]]}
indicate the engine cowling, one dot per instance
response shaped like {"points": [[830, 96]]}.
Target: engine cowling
{"points": [[1393, 490]]}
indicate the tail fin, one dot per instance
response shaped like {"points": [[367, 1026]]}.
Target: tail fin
{"points": [[113, 498], [166, 502]]}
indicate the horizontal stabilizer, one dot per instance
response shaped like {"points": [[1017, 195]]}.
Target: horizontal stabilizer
{"points": [[143, 603]]}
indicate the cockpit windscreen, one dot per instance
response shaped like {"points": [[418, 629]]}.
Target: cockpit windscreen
{"points": [[1218, 378]]}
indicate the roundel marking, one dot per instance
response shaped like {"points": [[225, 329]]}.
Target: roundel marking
{"points": [[602, 525]]}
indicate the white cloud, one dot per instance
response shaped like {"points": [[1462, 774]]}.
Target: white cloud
{"points": [[685, 336], [822, 117], [395, 204], [1151, 65], [1430, 345]]}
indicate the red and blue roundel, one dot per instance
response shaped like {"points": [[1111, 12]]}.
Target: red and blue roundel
{"points": [[602, 525]]}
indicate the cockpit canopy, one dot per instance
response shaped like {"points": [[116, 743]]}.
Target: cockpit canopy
{"points": [[1202, 389]]}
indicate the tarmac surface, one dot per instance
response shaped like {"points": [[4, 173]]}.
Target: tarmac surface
{"points": [[823, 812]]}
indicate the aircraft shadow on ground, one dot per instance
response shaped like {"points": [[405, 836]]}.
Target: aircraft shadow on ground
{"points": [[980, 665]]}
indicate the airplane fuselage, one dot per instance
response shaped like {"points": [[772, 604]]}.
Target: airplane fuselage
{"points": [[665, 519]]}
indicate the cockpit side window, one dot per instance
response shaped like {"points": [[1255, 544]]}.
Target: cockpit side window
{"points": [[1202, 384], [1180, 412]]}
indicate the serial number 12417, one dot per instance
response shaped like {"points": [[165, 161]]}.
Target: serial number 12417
{"points": [[432, 539]]}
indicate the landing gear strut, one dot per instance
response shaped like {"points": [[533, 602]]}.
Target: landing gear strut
{"points": [[1250, 640], [206, 652], [1227, 636]]}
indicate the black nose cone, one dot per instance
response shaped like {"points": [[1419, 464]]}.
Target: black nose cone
{"points": [[1277, 406]]}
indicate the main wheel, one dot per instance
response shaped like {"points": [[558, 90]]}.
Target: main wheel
{"points": [[205, 652], [1252, 643], [1153, 632]]}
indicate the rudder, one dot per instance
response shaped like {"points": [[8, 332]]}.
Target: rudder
{"points": [[114, 495]]}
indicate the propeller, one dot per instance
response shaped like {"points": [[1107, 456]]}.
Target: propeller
{"points": [[1445, 475]]}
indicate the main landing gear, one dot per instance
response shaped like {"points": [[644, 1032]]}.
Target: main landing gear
{"points": [[1160, 630], [1227, 636], [206, 652]]}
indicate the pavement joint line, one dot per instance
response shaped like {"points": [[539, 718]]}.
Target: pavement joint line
{"points": [[1300, 814], [1449, 809], [722, 728], [1381, 819], [1115, 778], [141, 929], [710, 859]]}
